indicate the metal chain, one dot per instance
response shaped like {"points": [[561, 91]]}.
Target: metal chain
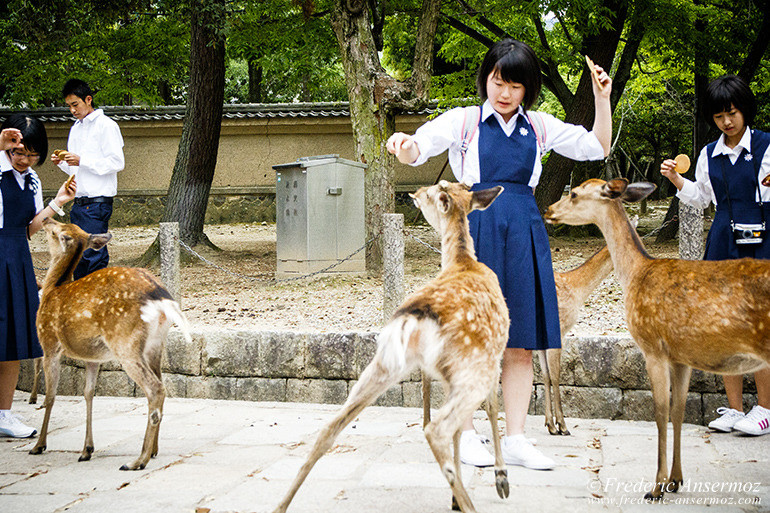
{"points": [[659, 228], [422, 242], [261, 277]]}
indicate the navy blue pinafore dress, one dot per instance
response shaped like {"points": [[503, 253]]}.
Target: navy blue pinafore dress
{"points": [[742, 185], [510, 236], [18, 289]]}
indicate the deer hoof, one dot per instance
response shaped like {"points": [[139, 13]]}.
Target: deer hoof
{"points": [[86, 454], [455, 505], [38, 449], [33, 400], [501, 483], [651, 497], [564, 431]]}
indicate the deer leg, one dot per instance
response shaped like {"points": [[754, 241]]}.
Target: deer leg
{"points": [[374, 380], [92, 372], [153, 388], [501, 473], [547, 406], [554, 371], [426, 386], [458, 468], [658, 371], [51, 368], [35, 380], [462, 401], [154, 358], [680, 382]]}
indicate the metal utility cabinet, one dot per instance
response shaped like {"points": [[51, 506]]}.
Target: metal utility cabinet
{"points": [[319, 205]]}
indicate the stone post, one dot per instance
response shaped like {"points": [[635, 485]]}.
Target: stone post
{"points": [[169, 259], [690, 232], [393, 263]]}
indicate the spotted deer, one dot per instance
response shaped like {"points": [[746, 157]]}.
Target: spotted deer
{"points": [[711, 315], [454, 329], [572, 289], [114, 313]]}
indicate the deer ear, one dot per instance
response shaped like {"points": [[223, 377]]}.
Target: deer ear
{"points": [[444, 202], [482, 199], [98, 240], [614, 188], [414, 200], [638, 191], [64, 241]]}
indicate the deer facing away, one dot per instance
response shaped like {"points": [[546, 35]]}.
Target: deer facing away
{"points": [[114, 313], [454, 328], [711, 315]]}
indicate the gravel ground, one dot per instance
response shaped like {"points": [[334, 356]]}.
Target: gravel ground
{"points": [[212, 297]]}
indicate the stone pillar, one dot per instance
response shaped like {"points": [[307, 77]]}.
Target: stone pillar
{"points": [[393, 263], [690, 232], [169, 259]]}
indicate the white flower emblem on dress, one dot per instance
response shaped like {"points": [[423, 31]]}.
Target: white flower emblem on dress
{"points": [[523, 131], [749, 157]]}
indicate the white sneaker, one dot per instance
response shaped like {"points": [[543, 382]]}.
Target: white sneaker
{"points": [[518, 450], [756, 422], [473, 450], [11, 425], [727, 420]]}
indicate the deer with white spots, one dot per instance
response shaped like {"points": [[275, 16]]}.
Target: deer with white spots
{"points": [[116, 313], [454, 328], [711, 315]]}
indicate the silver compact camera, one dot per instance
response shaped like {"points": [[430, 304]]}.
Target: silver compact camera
{"points": [[748, 233]]}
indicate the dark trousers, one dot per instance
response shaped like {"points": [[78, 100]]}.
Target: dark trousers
{"points": [[93, 218]]}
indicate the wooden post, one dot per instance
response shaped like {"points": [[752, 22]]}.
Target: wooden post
{"points": [[169, 259], [393, 264], [690, 232]]}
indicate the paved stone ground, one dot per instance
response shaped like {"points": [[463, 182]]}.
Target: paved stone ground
{"points": [[237, 456]]}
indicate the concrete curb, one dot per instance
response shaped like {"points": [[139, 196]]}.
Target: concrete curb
{"points": [[602, 376]]}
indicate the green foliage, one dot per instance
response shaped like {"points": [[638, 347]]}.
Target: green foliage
{"points": [[124, 52]]}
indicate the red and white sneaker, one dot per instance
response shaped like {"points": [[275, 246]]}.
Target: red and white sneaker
{"points": [[756, 422]]}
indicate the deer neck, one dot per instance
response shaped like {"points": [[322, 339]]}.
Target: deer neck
{"points": [[583, 280], [456, 242], [625, 246], [61, 268]]}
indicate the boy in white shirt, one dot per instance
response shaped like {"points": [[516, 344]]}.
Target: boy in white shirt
{"points": [[95, 155]]}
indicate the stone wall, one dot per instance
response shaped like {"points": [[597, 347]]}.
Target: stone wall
{"points": [[602, 377]]}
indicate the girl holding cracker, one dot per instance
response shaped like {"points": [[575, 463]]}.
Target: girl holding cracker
{"points": [[730, 172]]}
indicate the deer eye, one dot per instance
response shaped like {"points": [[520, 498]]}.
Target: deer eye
{"points": [[572, 195]]}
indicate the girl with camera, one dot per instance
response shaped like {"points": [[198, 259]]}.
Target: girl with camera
{"points": [[729, 173]]}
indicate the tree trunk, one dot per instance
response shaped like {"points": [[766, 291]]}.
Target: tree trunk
{"points": [[196, 158], [579, 110], [374, 97], [255, 82]]}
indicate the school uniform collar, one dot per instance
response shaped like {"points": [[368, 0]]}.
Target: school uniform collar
{"points": [[93, 116], [487, 110], [720, 148]]}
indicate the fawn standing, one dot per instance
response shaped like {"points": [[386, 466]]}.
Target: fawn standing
{"points": [[114, 313], [454, 328]]}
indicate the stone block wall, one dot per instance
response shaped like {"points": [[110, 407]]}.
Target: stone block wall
{"points": [[602, 377]]}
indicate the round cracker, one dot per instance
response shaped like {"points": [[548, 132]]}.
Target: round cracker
{"points": [[682, 163]]}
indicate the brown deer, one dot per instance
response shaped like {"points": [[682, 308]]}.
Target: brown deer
{"points": [[711, 315], [454, 328], [572, 289], [114, 313]]}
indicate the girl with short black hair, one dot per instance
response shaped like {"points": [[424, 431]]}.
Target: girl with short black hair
{"points": [[729, 173]]}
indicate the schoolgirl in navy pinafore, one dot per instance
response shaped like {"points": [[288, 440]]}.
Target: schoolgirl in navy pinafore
{"points": [[510, 236], [742, 183], [18, 289]]}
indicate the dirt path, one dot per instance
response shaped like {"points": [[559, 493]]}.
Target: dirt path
{"points": [[211, 297]]}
